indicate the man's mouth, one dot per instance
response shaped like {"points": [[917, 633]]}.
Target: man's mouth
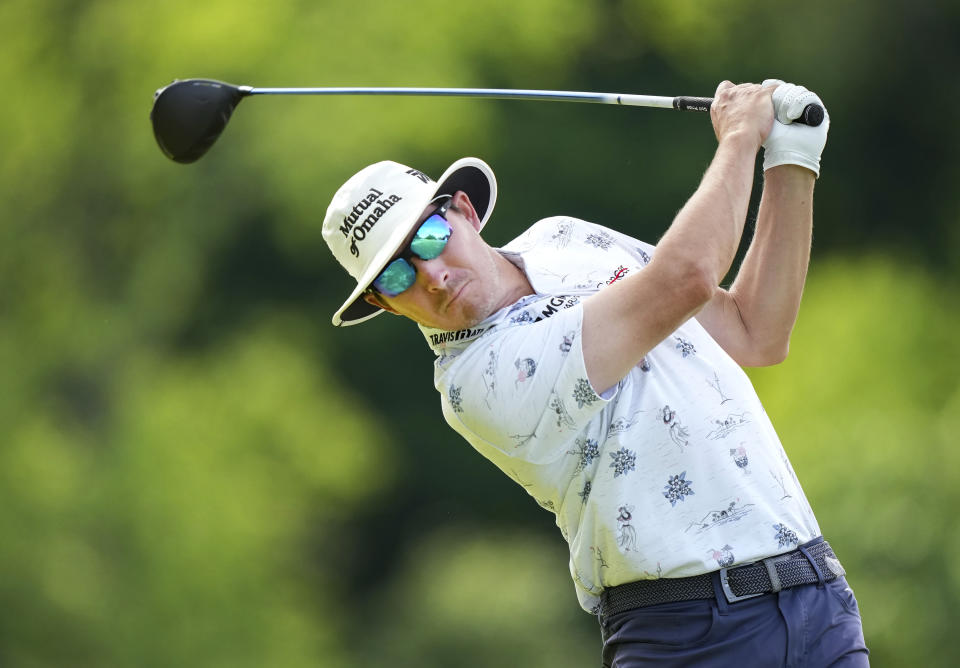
{"points": [[456, 295]]}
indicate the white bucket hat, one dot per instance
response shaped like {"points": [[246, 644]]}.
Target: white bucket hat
{"points": [[373, 213]]}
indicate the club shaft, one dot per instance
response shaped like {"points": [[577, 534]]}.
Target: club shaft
{"points": [[812, 114], [491, 93]]}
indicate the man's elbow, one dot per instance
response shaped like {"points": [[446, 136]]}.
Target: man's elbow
{"points": [[698, 284], [768, 354], [776, 354]]}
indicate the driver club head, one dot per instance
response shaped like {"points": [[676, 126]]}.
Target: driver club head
{"points": [[188, 116]]}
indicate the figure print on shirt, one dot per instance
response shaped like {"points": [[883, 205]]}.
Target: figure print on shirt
{"points": [[587, 450], [651, 576], [622, 424], [600, 240], [788, 467], [685, 347], [715, 384], [678, 433], [490, 376], [598, 553], [724, 556], [715, 518], [624, 461], [785, 536], [522, 303], [583, 393], [586, 585], [740, 458], [644, 365], [546, 504], [644, 256], [619, 273], [584, 494], [564, 421], [783, 486], [526, 367], [567, 344], [728, 425], [523, 318], [522, 439], [626, 533], [520, 481], [583, 281], [456, 402], [677, 488], [561, 238]]}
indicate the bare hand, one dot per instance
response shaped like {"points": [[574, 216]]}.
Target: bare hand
{"points": [[742, 111]]}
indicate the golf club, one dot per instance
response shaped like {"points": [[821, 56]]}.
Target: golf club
{"points": [[189, 115]]}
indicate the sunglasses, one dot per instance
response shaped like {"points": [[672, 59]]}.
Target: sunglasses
{"points": [[428, 242]]}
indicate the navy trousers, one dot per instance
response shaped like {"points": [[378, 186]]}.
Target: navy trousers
{"points": [[810, 626]]}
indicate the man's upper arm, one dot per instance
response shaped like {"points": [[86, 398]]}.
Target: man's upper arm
{"points": [[624, 321]]}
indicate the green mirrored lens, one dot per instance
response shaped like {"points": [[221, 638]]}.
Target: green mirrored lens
{"points": [[431, 238], [395, 278]]}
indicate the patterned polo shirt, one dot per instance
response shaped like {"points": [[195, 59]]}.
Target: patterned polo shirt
{"points": [[675, 471]]}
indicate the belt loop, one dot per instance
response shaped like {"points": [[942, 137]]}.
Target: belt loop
{"points": [[718, 593], [821, 581], [775, 584]]}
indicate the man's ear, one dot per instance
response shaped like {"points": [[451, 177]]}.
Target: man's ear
{"points": [[462, 201], [374, 299]]}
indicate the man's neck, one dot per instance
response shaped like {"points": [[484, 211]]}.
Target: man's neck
{"points": [[516, 285]]}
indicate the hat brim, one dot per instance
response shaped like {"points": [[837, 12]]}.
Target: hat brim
{"points": [[471, 175]]}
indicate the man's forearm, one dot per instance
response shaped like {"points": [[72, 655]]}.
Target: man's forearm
{"points": [[708, 228], [770, 280]]}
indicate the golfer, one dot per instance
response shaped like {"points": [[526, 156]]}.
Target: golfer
{"points": [[603, 374]]}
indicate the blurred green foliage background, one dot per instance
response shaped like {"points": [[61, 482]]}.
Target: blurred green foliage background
{"points": [[197, 469]]}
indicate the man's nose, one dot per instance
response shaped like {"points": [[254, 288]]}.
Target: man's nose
{"points": [[434, 273]]}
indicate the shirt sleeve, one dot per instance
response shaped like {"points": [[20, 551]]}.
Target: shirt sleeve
{"points": [[523, 390]]}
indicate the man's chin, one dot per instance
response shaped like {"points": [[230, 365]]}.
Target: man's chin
{"points": [[456, 321]]}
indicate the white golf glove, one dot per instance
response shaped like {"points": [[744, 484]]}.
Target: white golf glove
{"points": [[792, 143]]}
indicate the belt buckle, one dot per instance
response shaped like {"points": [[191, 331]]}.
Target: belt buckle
{"points": [[728, 592]]}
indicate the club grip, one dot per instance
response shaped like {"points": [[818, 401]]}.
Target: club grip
{"points": [[686, 103], [812, 114]]}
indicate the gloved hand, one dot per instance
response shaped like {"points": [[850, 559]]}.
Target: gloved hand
{"points": [[792, 143]]}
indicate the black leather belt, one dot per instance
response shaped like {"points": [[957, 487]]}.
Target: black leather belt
{"points": [[810, 563]]}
